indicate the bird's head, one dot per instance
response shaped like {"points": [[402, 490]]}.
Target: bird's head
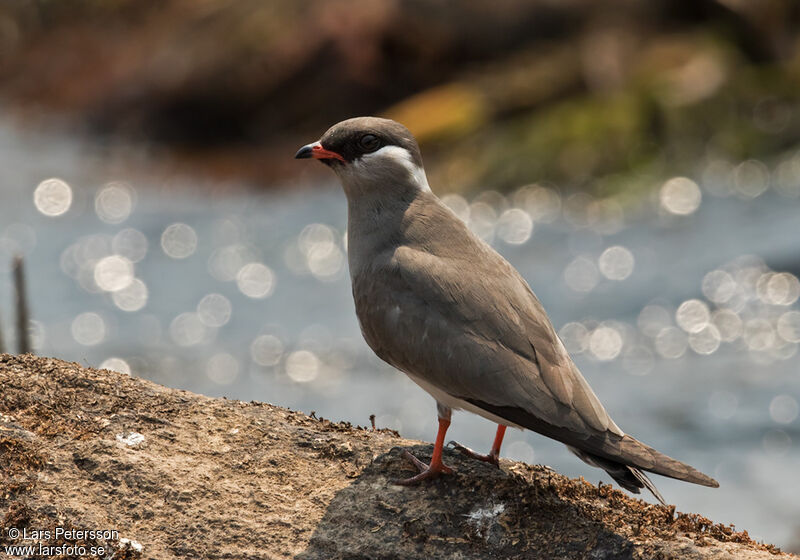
{"points": [[369, 153]]}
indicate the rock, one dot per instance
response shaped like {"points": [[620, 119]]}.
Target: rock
{"points": [[162, 473]]}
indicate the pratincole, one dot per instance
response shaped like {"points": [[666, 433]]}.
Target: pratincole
{"points": [[442, 306]]}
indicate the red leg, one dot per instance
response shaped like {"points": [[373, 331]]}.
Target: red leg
{"points": [[494, 455], [498, 440], [436, 467]]}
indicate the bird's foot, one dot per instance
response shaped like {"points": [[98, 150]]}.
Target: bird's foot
{"points": [[425, 471], [491, 458]]}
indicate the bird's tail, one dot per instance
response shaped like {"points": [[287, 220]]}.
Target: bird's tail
{"points": [[634, 453], [631, 457], [630, 478]]}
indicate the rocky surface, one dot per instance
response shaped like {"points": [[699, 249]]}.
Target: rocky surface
{"points": [[179, 475]]}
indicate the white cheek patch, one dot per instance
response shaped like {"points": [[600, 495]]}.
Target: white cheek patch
{"points": [[400, 156]]}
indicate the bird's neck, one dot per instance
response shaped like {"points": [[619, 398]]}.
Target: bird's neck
{"points": [[377, 223]]}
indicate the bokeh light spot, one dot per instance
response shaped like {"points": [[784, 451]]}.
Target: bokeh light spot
{"points": [[255, 280], [266, 350], [226, 262], [521, 451], [542, 204], [718, 286], [759, 334], [705, 341], [316, 236], [780, 288], [88, 329], [131, 298], [113, 273], [52, 197], [605, 343], [324, 259], [581, 274], [514, 226], [616, 263], [750, 179], [671, 343], [116, 364], [680, 196], [692, 315], [783, 409], [131, 244], [653, 319], [179, 241], [728, 323], [302, 366], [214, 310], [788, 177], [187, 329], [788, 326], [114, 203], [575, 337]]}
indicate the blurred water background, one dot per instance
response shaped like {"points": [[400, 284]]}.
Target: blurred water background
{"points": [[665, 249]]}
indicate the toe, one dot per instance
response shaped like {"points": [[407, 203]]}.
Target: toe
{"points": [[421, 467], [425, 471]]}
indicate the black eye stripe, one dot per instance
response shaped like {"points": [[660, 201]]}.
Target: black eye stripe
{"points": [[352, 144]]}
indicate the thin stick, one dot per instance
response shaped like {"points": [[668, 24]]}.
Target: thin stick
{"points": [[23, 334], [2, 345]]}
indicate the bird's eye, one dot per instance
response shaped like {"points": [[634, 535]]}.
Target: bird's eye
{"points": [[369, 143]]}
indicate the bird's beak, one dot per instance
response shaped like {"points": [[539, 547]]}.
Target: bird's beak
{"points": [[316, 151]]}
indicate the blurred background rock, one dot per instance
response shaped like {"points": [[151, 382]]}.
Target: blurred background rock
{"points": [[599, 96], [637, 161]]}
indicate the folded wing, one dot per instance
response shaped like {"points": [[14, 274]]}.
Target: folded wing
{"points": [[466, 322]]}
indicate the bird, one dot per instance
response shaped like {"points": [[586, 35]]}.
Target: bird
{"points": [[439, 304]]}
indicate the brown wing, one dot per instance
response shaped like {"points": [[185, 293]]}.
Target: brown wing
{"points": [[460, 317]]}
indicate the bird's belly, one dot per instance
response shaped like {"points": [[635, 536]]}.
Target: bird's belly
{"points": [[455, 403]]}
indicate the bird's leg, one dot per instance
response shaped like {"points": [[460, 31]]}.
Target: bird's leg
{"points": [[436, 467], [494, 455]]}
